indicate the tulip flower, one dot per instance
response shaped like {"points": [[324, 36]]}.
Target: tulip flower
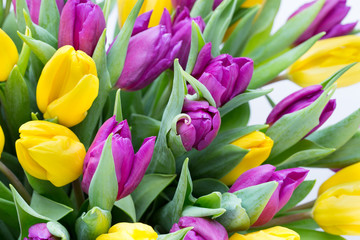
{"points": [[299, 100], [337, 209], [190, 3], [260, 147], [224, 76], [325, 58], [67, 87], [34, 8], [203, 229], [81, 24], [202, 126], [156, 54], [125, 7], [328, 20], [274, 233], [40, 232], [8, 55], [288, 179], [50, 151], [129, 231], [129, 167]]}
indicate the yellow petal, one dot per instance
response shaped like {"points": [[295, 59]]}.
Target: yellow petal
{"points": [[129, 231], [159, 7], [251, 3], [2, 140], [274, 233], [8, 55]]}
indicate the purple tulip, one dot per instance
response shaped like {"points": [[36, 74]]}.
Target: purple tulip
{"points": [[299, 100], [129, 167], [40, 232], [190, 3], [224, 76], [81, 24], [203, 126], [328, 20], [288, 179], [150, 52], [34, 8], [203, 229]]}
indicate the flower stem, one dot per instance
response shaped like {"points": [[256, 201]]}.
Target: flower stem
{"points": [[303, 206], [15, 182], [79, 195], [287, 219]]}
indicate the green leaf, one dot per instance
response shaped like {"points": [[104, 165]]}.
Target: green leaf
{"points": [[126, 204], [6, 233], [8, 215], [99, 195], [92, 224], [178, 235], [303, 224], [239, 117], [202, 8], [149, 188], [306, 234], [5, 193], [24, 56], [269, 70], [143, 127], [197, 43], [49, 17], [117, 107], [58, 230], [332, 79], [10, 26], [21, 5], [212, 200], [117, 53], [194, 211], [208, 185]]}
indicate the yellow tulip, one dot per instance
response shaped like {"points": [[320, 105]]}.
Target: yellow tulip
{"points": [[125, 7], [129, 231], [337, 210], [345, 175], [50, 151], [274, 233], [260, 147], [2, 140], [8, 55], [251, 3], [67, 87], [325, 58]]}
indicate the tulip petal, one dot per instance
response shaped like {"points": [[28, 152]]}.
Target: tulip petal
{"points": [[8, 55]]}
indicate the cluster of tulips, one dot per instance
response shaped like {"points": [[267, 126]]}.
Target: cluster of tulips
{"points": [[145, 135]]}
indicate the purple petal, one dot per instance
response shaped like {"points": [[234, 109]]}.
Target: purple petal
{"points": [[325, 115], [187, 133], [39, 231], [141, 23], [202, 60], [340, 30]]}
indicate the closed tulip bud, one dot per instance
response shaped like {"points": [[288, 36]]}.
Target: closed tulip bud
{"points": [[40, 232], [129, 231], [34, 8], [288, 179], [203, 229], [274, 233], [260, 147], [325, 58], [224, 76], [50, 151], [8, 55], [328, 20], [68, 81], [337, 209], [202, 126], [157, 53], [299, 100], [125, 6], [81, 24], [129, 167]]}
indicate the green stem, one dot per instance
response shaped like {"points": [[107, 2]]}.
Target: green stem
{"points": [[15, 182], [288, 219], [79, 195], [303, 206]]}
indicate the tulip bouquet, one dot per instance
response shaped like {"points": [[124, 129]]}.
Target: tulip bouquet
{"points": [[142, 132]]}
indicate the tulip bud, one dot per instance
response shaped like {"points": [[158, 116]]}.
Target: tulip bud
{"points": [[129, 167], [8, 55], [34, 8], [202, 126], [50, 151], [68, 81], [299, 100], [130, 231], [325, 58], [224, 76], [40, 232], [278, 233], [81, 24], [336, 210], [260, 147], [288, 179], [328, 20], [202, 229]]}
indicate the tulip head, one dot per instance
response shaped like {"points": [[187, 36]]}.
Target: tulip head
{"points": [[81, 24], [274, 233], [325, 58], [299, 100], [40, 232], [260, 147], [337, 209], [50, 151], [129, 167], [288, 180], [68, 81], [129, 231], [224, 76], [202, 126], [203, 229], [8, 55]]}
